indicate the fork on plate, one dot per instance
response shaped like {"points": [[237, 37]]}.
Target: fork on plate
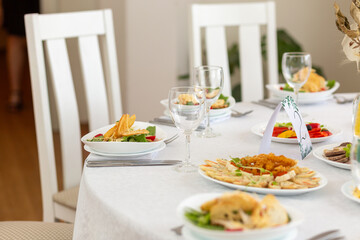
{"points": [[236, 114], [328, 235], [342, 100], [171, 139]]}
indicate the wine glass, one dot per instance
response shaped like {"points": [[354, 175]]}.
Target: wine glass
{"points": [[356, 116], [211, 78], [296, 68], [355, 160], [187, 109]]}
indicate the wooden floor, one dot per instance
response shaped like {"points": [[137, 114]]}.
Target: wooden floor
{"points": [[20, 194]]}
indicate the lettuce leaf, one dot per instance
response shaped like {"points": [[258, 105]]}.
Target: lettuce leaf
{"points": [[330, 83], [152, 130], [135, 138]]}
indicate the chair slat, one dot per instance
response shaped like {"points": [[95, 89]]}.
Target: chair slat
{"points": [[71, 24], [111, 69], [251, 64], [67, 111], [44, 138], [272, 52], [216, 51], [230, 14], [195, 41], [94, 82]]}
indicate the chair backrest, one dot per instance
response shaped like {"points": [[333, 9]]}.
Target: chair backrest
{"points": [[249, 17], [46, 39]]}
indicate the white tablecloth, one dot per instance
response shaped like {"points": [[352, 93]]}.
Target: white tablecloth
{"points": [[140, 202]]}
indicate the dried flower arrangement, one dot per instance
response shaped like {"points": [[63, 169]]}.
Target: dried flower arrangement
{"points": [[351, 41]]}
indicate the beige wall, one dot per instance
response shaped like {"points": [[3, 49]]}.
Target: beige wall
{"points": [[152, 43]]}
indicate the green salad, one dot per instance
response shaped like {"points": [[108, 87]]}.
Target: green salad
{"points": [[329, 84], [201, 219], [150, 137]]}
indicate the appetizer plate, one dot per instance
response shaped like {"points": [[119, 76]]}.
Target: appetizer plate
{"points": [[127, 155], [309, 96], [213, 112], [347, 189], [319, 154], [279, 232], [124, 147], [259, 129], [278, 192]]}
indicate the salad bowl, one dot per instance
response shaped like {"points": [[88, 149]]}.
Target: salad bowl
{"points": [[304, 97], [194, 202], [213, 112], [124, 147]]}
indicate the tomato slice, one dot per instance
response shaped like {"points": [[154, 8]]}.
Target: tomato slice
{"points": [[152, 138], [315, 130], [278, 130], [314, 125], [99, 135]]}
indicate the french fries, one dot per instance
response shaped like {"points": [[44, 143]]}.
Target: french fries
{"points": [[123, 128]]}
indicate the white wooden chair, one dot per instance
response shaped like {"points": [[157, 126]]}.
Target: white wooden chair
{"points": [[49, 32], [248, 17]]}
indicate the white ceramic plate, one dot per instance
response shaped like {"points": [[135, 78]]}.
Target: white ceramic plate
{"points": [[279, 192], [347, 189], [259, 130], [138, 154], [190, 235], [124, 147], [279, 232], [319, 154], [213, 112], [311, 97]]}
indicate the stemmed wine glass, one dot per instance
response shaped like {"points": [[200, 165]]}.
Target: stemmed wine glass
{"points": [[355, 160], [296, 68], [187, 108], [355, 146], [211, 78]]}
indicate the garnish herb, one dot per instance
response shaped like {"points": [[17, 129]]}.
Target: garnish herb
{"points": [[201, 219], [330, 83], [224, 98], [347, 150]]}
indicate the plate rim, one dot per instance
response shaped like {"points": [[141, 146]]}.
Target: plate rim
{"points": [[278, 192], [188, 234], [317, 154], [344, 187], [156, 149], [308, 101], [294, 140]]}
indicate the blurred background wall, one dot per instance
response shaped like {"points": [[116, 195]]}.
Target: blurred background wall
{"points": [[152, 44]]}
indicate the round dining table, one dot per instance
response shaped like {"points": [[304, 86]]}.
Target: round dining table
{"points": [[140, 202]]}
